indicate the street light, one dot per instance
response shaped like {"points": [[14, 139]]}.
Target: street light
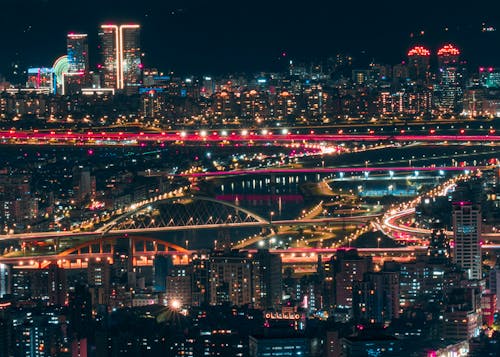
{"points": [[378, 242], [271, 214]]}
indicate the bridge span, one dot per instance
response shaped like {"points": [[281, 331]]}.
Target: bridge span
{"points": [[330, 170]]}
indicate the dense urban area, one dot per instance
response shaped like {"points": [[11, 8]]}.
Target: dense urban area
{"points": [[340, 207]]}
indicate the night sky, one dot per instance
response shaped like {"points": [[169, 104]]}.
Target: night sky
{"points": [[215, 37]]}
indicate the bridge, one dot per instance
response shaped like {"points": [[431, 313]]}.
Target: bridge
{"points": [[141, 252], [203, 136], [331, 170], [177, 213], [145, 250], [181, 214], [168, 214]]}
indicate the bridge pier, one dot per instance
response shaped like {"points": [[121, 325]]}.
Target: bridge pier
{"points": [[272, 183]]}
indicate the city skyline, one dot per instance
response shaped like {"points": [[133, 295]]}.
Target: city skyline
{"points": [[193, 178], [221, 38]]}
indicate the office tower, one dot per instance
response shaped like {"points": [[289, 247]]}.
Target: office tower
{"points": [[418, 64], [130, 58], [109, 39], [121, 54], [467, 234], [448, 89], [78, 52], [78, 63]]}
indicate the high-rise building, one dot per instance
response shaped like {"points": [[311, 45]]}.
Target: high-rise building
{"points": [[242, 279], [121, 54], [376, 298], [230, 280], [178, 285], [99, 281], [266, 271], [201, 280], [78, 63], [449, 87], [347, 267], [78, 52], [57, 285], [109, 39], [418, 64], [130, 60], [467, 234]]}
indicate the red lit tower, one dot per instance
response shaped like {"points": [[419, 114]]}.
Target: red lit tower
{"points": [[418, 63], [449, 85]]}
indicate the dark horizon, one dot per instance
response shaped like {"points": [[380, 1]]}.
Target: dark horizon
{"points": [[218, 38]]}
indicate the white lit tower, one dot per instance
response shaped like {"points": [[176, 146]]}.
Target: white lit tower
{"points": [[467, 235], [121, 55]]}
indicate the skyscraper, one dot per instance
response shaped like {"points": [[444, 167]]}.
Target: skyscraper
{"points": [[467, 233], [130, 60], [121, 54], [448, 88], [109, 39], [78, 52], [418, 61]]}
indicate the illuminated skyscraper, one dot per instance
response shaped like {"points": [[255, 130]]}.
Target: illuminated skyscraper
{"points": [[110, 51], [418, 61], [467, 233], [130, 60], [78, 63], [121, 53], [448, 88], [78, 53]]}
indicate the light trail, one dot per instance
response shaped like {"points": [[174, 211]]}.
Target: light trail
{"points": [[330, 170], [203, 137]]}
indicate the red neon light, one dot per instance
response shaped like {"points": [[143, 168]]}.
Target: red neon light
{"points": [[448, 50], [419, 51]]}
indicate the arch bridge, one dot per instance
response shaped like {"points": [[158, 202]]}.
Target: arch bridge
{"points": [[185, 213], [132, 250]]}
